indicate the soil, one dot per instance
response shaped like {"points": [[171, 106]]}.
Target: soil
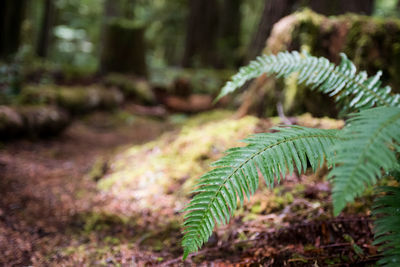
{"points": [[52, 213]]}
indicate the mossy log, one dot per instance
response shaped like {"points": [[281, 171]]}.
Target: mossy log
{"points": [[75, 100], [11, 122], [373, 44], [123, 48], [31, 121], [40, 121], [133, 88]]}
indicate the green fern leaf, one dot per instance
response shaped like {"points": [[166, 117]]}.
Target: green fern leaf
{"points": [[368, 150], [237, 175], [341, 81], [387, 226]]}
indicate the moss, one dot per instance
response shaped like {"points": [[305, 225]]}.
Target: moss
{"points": [[98, 169], [168, 167], [372, 43], [99, 221], [46, 94], [73, 99]]}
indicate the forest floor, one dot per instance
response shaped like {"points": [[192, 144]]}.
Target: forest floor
{"points": [[52, 211]]}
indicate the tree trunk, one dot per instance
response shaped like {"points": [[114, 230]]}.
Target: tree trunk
{"points": [[274, 10], [229, 36], [12, 13], [129, 9], [330, 7], [112, 9], [123, 48], [213, 31], [45, 29], [201, 36]]}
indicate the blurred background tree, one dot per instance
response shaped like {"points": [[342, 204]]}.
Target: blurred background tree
{"points": [[187, 33]]}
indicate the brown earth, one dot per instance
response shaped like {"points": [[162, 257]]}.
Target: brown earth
{"points": [[52, 213]]}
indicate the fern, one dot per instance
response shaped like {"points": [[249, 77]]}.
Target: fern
{"points": [[361, 158], [341, 81], [387, 226], [236, 176], [358, 155]]}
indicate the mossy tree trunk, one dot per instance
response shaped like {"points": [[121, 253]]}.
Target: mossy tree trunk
{"points": [[371, 43], [12, 13], [274, 10]]}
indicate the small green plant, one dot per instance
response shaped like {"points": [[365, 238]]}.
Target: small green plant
{"points": [[360, 154]]}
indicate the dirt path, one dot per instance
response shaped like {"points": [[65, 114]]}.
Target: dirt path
{"points": [[52, 213], [44, 184]]}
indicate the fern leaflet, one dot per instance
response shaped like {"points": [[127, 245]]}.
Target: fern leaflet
{"points": [[237, 175]]}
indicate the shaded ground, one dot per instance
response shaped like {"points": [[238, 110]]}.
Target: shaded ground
{"points": [[44, 184], [52, 212]]}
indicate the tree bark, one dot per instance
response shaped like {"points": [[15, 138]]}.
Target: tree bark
{"points": [[123, 48], [229, 36], [213, 33], [274, 10], [45, 29], [12, 13], [112, 9], [330, 7], [201, 36]]}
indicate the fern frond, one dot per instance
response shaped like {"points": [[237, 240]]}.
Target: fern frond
{"points": [[368, 149], [237, 175], [387, 226], [341, 81]]}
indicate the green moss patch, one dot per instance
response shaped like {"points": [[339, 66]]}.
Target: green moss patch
{"points": [[165, 170], [73, 99]]}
